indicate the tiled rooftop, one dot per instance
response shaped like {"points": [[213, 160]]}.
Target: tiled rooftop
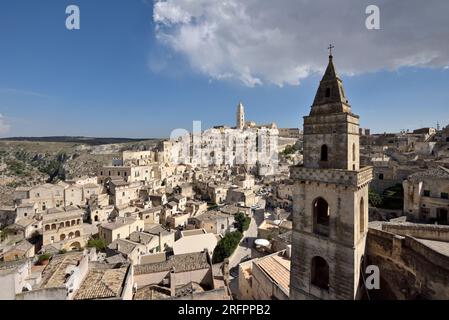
{"points": [[278, 269], [102, 283], [54, 275], [181, 263]]}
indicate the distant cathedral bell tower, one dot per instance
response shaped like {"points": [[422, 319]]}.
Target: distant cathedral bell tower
{"points": [[330, 199], [240, 117]]}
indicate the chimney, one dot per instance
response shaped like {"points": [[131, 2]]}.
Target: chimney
{"points": [[172, 282], [288, 251], [160, 241]]}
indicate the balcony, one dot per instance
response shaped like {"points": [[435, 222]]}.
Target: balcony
{"points": [[337, 176]]}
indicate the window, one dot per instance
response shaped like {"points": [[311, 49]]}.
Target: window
{"points": [[324, 152], [321, 215], [381, 176], [444, 195], [442, 216], [362, 216], [426, 193], [320, 273], [328, 92]]}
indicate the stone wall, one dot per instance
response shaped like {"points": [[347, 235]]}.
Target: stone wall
{"points": [[408, 268], [422, 231]]}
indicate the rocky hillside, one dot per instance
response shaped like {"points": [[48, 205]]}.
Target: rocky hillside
{"points": [[27, 163]]}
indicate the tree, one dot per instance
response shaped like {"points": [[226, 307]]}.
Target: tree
{"points": [[100, 244], [375, 199], [44, 257], [226, 246], [242, 221], [393, 197]]}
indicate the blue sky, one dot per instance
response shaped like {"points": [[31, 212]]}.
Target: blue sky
{"points": [[113, 78]]}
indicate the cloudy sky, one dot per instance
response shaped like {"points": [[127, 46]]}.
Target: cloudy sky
{"points": [[142, 68]]}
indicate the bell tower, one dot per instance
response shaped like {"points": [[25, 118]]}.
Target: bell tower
{"points": [[240, 123], [330, 199]]}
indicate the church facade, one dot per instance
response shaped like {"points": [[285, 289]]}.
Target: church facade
{"points": [[330, 200]]}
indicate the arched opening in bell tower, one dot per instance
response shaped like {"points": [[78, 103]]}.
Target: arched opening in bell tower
{"points": [[324, 153], [320, 273], [321, 214]]}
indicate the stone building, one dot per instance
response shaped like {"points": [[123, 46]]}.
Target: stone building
{"points": [[120, 229], [44, 196], [426, 196], [266, 278], [330, 200], [65, 227]]}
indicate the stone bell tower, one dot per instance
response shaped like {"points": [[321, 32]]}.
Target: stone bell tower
{"points": [[330, 199], [240, 123]]}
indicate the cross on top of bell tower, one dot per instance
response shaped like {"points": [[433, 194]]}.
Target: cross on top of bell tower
{"points": [[331, 46]]}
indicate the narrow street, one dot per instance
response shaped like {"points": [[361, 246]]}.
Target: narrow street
{"points": [[245, 249]]}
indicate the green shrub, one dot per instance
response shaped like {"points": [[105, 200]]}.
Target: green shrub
{"points": [[375, 199], [100, 244], [226, 246], [290, 149], [44, 257], [242, 221]]}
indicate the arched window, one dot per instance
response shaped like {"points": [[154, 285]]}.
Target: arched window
{"points": [[328, 92], [353, 152], [320, 273], [77, 234], [73, 222], [53, 226], [47, 227], [71, 235], [61, 225], [62, 237], [362, 215], [321, 215], [96, 218], [381, 176], [78, 221], [67, 223], [324, 152]]}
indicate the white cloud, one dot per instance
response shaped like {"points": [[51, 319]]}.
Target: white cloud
{"points": [[284, 41], [4, 126]]}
